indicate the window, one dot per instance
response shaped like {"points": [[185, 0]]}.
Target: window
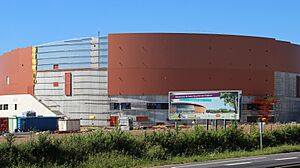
{"points": [[125, 106], [252, 107], [55, 84], [7, 80], [116, 106], [16, 107], [5, 107], [55, 66], [157, 105]]}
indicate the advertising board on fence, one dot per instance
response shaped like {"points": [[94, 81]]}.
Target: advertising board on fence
{"points": [[205, 105]]}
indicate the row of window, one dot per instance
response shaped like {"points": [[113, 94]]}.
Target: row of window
{"points": [[123, 106], [5, 106], [165, 106], [158, 106], [253, 106]]}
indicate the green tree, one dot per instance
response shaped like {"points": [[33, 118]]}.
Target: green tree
{"points": [[231, 99]]}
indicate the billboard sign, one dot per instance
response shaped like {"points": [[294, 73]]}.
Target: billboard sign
{"points": [[205, 105]]}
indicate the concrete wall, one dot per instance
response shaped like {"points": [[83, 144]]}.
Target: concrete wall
{"points": [[288, 105], [23, 103]]}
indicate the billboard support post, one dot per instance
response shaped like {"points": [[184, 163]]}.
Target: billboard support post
{"points": [[216, 122], [207, 125], [225, 124], [260, 134]]}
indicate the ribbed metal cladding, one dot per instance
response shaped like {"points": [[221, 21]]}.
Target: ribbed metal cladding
{"points": [[89, 94], [72, 78]]}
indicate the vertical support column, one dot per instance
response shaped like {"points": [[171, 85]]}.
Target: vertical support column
{"points": [[207, 124]]}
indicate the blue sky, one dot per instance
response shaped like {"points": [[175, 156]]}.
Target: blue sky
{"points": [[32, 22]]}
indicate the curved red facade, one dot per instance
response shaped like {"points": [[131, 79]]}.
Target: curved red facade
{"points": [[154, 64], [17, 66]]}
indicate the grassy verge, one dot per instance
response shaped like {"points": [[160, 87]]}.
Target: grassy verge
{"points": [[121, 149], [114, 159]]}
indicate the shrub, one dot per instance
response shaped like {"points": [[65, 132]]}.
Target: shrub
{"points": [[71, 150], [156, 152]]}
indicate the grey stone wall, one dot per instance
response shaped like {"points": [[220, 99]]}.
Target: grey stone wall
{"points": [[288, 105], [244, 112]]}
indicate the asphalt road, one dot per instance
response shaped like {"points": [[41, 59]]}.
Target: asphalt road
{"points": [[282, 160]]}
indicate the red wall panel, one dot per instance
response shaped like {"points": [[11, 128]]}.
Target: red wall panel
{"points": [[151, 64], [68, 84], [17, 65]]}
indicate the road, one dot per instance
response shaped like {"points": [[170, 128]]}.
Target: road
{"points": [[282, 160]]}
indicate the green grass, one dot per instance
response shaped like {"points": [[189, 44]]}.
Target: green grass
{"points": [[110, 160]]}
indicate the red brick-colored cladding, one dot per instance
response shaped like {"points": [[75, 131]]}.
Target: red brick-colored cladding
{"points": [[153, 64], [17, 65], [68, 84]]}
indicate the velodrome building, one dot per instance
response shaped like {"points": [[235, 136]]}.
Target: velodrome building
{"points": [[98, 78]]}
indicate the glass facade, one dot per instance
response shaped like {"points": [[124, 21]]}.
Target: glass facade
{"points": [[76, 53], [103, 53]]}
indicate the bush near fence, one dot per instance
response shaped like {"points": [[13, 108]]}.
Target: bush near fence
{"points": [[72, 150]]}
